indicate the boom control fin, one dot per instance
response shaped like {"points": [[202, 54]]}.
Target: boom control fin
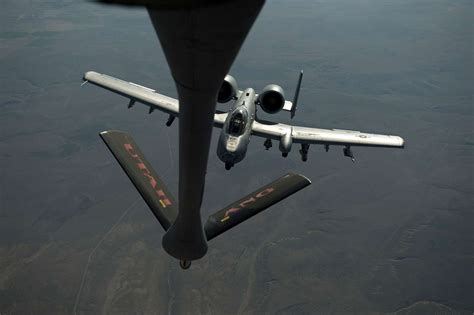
{"points": [[254, 203], [158, 198], [164, 206]]}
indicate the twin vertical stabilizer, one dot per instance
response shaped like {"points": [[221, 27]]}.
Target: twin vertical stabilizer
{"points": [[297, 93]]}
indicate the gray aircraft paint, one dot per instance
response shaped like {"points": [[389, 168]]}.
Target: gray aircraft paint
{"points": [[232, 147]]}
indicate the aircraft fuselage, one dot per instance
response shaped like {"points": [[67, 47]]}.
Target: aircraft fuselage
{"points": [[235, 135]]}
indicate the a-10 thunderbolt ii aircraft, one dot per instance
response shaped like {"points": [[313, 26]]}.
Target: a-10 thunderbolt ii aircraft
{"points": [[241, 122]]}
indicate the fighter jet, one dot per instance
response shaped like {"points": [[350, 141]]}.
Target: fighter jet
{"points": [[241, 121]]}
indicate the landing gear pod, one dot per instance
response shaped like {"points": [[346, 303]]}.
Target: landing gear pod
{"points": [[285, 143]]}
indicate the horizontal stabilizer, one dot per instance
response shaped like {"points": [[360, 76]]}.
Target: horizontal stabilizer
{"points": [[253, 204], [142, 175]]}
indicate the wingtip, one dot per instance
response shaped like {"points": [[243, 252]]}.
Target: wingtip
{"points": [[297, 175], [87, 75], [106, 132], [309, 180], [402, 142]]}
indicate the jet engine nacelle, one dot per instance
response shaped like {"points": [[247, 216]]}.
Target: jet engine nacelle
{"points": [[228, 89], [272, 98]]}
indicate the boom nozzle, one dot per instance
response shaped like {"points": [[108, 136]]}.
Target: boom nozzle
{"points": [[185, 239]]}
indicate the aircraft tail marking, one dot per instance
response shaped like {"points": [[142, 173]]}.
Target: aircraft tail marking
{"points": [[254, 203], [158, 198]]}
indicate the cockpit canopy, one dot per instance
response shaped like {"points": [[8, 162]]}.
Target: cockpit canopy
{"points": [[237, 123]]}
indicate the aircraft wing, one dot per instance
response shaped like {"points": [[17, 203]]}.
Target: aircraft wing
{"points": [[142, 94], [324, 136]]}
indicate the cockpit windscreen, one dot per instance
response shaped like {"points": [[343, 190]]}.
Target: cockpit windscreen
{"points": [[237, 124]]}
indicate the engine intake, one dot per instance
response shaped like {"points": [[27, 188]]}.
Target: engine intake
{"points": [[228, 89], [272, 99]]}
